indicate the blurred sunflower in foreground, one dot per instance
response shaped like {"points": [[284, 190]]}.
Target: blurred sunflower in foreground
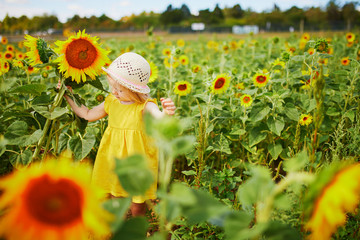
{"points": [[154, 72], [335, 193], [80, 56], [52, 200]]}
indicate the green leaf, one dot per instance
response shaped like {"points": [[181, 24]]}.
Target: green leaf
{"points": [[331, 111], [44, 111], [97, 84], [259, 113], [276, 125], [257, 135], [33, 138], [134, 175], [256, 188], [292, 113], [182, 145], [35, 89], [81, 147], [118, 207], [297, 163], [350, 115], [237, 131], [280, 231], [189, 173], [196, 205], [237, 226], [132, 229], [221, 144], [275, 149], [16, 133], [21, 160]]}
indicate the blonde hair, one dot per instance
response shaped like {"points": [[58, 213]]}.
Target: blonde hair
{"points": [[137, 97]]}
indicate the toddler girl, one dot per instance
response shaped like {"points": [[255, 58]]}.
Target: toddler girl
{"points": [[129, 99]]}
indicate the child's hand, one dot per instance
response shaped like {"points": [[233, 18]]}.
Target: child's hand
{"points": [[168, 106], [59, 85]]}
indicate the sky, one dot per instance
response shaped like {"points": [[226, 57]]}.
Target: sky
{"points": [[116, 9]]}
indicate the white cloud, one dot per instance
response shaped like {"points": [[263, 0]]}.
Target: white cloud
{"points": [[17, 11], [80, 10], [124, 3]]}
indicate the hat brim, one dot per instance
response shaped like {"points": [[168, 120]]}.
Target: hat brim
{"points": [[127, 84]]}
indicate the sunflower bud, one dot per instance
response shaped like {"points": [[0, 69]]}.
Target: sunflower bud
{"points": [[44, 74], [234, 71], [321, 45], [275, 40], [177, 51], [285, 56], [99, 97], [210, 71]]}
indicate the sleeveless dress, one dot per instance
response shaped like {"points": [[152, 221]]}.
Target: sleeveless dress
{"points": [[124, 136]]}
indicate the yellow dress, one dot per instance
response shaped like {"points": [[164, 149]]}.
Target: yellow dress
{"points": [[124, 136]]}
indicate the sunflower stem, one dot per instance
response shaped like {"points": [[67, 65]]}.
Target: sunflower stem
{"points": [[57, 102]]}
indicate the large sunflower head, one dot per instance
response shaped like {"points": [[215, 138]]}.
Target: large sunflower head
{"points": [[220, 84], [182, 88], [80, 56], [154, 72], [44, 203], [261, 79], [9, 55], [4, 40]]}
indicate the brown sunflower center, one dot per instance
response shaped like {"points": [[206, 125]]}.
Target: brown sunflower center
{"points": [[8, 55], [261, 79], [305, 118], [54, 202], [182, 87], [219, 83], [80, 54]]}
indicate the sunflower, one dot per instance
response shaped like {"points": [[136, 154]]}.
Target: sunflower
{"points": [[174, 63], [184, 60], [278, 62], [311, 51], [345, 61], [339, 196], [306, 84], [180, 42], [261, 79], [10, 48], [350, 37], [33, 52], [8, 55], [182, 88], [31, 69], [154, 72], [100, 97], [305, 119], [330, 51], [246, 100], [196, 69], [20, 55], [233, 45], [166, 52], [323, 61], [81, 56], [220, 84], [350, 44], [240, 86], [305, 37], [5, 67], [212, 45], [45, 204], [17, 63], [4, 40]]}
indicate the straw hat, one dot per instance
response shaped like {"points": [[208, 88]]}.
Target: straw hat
{"points": [[131, 71]]}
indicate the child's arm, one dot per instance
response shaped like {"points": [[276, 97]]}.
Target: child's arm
{"points": [[88, 114], [168, 108]]}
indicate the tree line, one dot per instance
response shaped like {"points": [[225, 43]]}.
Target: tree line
{"points": [[333, 16]]}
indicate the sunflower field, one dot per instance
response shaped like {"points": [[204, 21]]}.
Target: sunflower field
{"points": [[264, 143]]}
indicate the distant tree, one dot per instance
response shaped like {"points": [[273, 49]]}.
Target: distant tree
{"points": [[315, 18], [236, 11], [349, 13], [171, 16], [276, 8], [218, 13], [186, 11], [294, 15], [333, 12]]}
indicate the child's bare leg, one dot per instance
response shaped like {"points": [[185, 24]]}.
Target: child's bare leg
{"points": [[138, 209]]}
